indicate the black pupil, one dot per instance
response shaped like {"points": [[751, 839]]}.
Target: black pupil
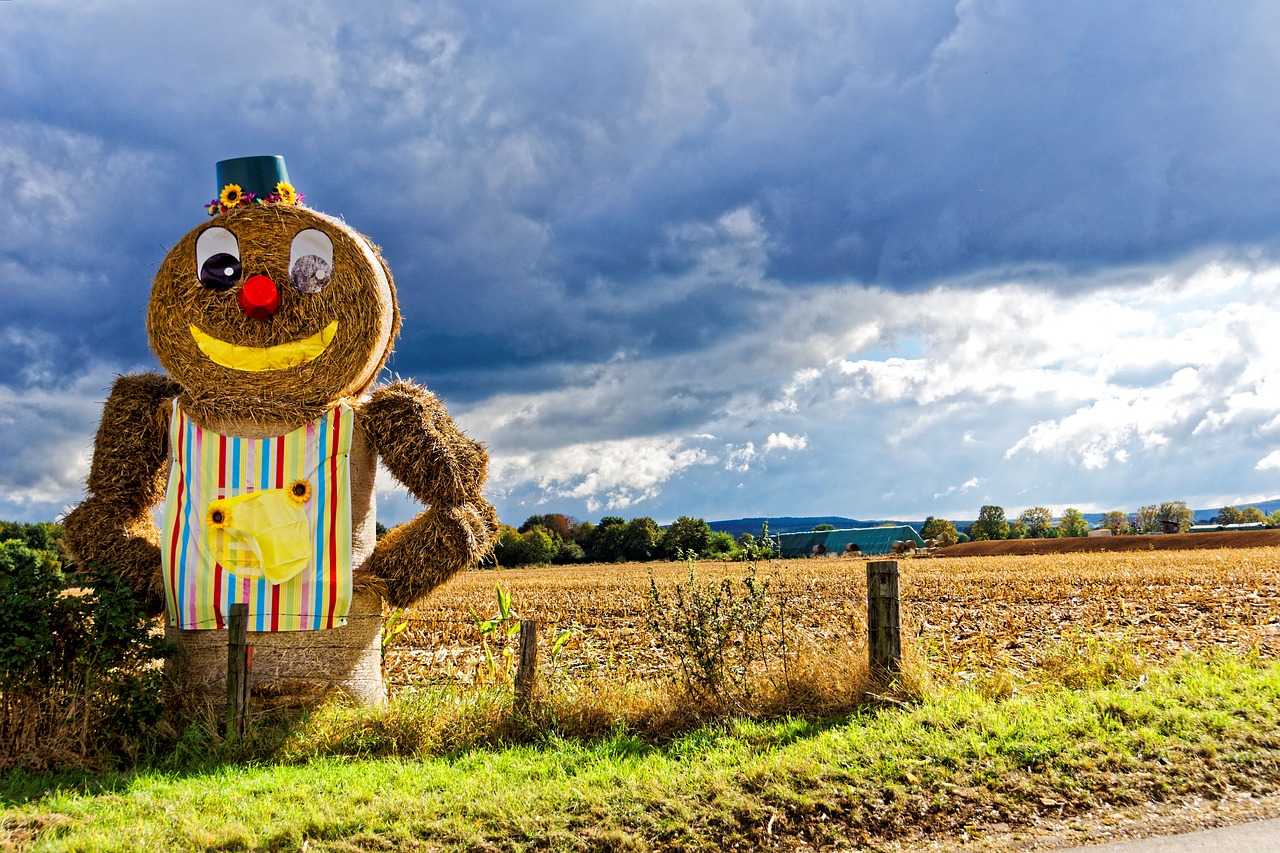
{"points": [[220, 271]]}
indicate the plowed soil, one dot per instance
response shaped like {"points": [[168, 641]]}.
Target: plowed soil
{"points": [[1155, 542]]}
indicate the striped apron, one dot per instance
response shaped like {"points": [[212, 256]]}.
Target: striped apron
{"points": [[241, 513]]}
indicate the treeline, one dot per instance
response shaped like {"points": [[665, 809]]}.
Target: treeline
{"points": [[1035, 523], [1248, 515], [1040, 523], [558, 538], [40, 535]]}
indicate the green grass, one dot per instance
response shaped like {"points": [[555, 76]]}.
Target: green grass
{"points": [[961, 756]]}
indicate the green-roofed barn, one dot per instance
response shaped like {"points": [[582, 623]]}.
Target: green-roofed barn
{"points": [[857, 540]]}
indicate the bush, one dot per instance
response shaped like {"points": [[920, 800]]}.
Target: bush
{"points": [[78, 680], [715, 630]]}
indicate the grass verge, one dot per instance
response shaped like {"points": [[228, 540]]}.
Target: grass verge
{"points": [[962, 756]]}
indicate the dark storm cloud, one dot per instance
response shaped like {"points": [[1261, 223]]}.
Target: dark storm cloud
{"points": [[515, 161]]}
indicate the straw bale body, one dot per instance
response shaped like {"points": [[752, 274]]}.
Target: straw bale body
{"points": [[351, 309]]}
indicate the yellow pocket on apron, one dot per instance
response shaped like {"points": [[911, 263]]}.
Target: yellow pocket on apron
{"points": [[260, 535]]}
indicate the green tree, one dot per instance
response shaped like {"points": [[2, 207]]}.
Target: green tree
{"points": [[606, 540], [722, 545], [1229, 515], [39, 535], [1073, 523], [509, 549], [534, 547], [556, 523], [583, 533], [826, 525], [1038, 521], [569, 552], [640, 539], [991, 524], [540, 547], [940, 531], [687, 535], [1176, 514], [1116, 521], [1147, 520], [1252, 515]]}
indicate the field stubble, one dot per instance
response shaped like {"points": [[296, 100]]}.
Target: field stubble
{"points": [[968, 616]]}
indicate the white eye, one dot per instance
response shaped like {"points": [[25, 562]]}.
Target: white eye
{"points": [[311, 261], [217, 258]]}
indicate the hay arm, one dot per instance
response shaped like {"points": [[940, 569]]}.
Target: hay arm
{"points": [[422, 448], [114, 526]]}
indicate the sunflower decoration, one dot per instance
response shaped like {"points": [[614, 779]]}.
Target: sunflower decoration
{"points": [[231, 196], [286, 194], [300, 491], [218, 516]]}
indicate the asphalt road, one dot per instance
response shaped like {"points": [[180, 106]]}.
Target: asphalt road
{"points": [[1260, 836]]}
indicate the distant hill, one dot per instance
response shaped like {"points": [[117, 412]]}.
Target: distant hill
{"points": [[737, 526], [1267, 507], [801, 524]]}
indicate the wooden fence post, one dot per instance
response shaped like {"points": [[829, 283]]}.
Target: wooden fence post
{"points": [[527, 674], [884, 627], [237, 669]]}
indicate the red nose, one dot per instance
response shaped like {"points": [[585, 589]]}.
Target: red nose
{"points": [[259, 297]]}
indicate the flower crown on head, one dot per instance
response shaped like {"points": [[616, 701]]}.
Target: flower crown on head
{"points": [[233, 196]]}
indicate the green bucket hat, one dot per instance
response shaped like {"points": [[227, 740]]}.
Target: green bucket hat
{"points": [[257, 175], [261, 180]]}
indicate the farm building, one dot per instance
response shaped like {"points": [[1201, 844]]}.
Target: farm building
{"points": [[861, 540], [1218, 528]]}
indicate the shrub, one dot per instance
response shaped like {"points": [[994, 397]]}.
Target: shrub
{"points": [[716, 631], [78, 680]]}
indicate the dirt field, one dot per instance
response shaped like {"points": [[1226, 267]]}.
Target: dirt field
{"points": [[1155, 542]]}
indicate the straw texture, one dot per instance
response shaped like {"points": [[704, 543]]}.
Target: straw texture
{"points": [[402, 423], [114, 524], [360, 297], [422, 447], [289, 668]]}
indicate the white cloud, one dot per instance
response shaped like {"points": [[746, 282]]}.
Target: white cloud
{"points": [[739, 458], [604, 475], [1269, 462], [782, 441], [1011, 392]]}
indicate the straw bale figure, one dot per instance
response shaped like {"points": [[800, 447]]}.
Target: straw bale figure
{"points": [[261, 441]]}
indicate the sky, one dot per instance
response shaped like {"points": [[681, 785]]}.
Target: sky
{"points": [[718, 259]]}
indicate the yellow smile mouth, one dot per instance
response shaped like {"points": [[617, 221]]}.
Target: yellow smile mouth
{"points": [[256, 359]]}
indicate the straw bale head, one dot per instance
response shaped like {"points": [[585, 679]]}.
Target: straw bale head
{"points": [[269, 314]]}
